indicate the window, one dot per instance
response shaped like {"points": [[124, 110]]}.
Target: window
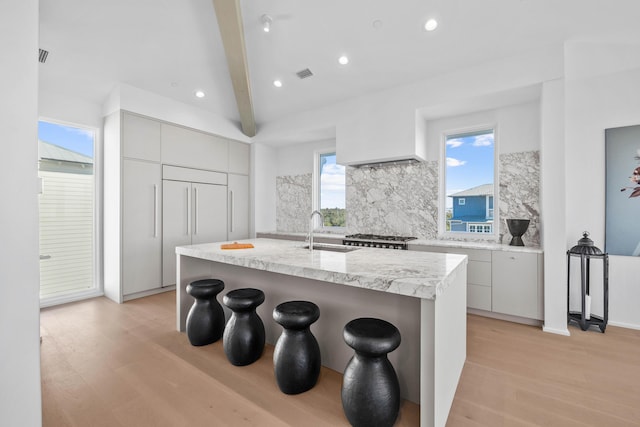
{"points": [[469, 158], [329, 194], [67, 212]]}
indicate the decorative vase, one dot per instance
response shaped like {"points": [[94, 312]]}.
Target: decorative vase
{"points": [[517, 227]]}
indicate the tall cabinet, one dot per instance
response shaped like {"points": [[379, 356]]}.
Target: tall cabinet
{"points": [[164, 186], [194, 211]]}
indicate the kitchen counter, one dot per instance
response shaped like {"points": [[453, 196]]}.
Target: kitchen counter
{"points": [[462, 244], [423, 294], [415, 274]]}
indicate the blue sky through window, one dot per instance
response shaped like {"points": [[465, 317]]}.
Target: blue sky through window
{"points": [[332, 182], [75, 139], [469, 160]]}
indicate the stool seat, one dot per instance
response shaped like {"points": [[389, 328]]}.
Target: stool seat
{"points": [[244, 335], [296, 357], [243, 299], [296, 314], [371, 336], [205, 288], [205, 320], [370, 387]]}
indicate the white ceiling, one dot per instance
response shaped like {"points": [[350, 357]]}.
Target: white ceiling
{"points": [[173, 47]]}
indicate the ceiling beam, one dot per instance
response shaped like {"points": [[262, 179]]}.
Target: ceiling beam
{"points": [[230, 23]]}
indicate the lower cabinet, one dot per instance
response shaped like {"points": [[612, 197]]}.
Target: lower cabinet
{"points": [[501, 281], [517, 284]]}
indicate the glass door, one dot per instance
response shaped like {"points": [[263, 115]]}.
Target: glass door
{"points": [[67, 212]]}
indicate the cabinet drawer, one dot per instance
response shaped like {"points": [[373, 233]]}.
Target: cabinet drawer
{"points": [[479, 273], [479, 297]]}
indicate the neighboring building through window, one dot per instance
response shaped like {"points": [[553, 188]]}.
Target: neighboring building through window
{"points": [[468, 182], [330, 189], [66, 212]]}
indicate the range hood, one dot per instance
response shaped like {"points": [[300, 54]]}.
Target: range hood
{"points": [[381, 135], [386, 163]]}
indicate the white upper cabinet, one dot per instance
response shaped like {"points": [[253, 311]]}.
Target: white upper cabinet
{"points": [[238, 158], [193, 149], [141, 138]]}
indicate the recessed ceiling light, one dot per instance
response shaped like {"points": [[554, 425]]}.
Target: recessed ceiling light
{"points": [[377, 24], [343, 60], [266, 23], [199, 94], [277, 83], [431, 25]]}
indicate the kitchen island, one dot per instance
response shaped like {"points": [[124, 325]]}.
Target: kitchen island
{"points": [[423, 294]]}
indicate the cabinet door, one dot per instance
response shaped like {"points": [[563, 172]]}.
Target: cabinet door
{"points": [[193, 149], [141, 219], [176, 225], [516, 289], [209, 213], [141, 138], [238, 157], [238, 226]]}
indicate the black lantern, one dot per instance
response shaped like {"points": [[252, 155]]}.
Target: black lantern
{"points": [[587, 251]]}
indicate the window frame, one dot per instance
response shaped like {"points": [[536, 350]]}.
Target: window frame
{"points": [[98, 285], [443, 233], [316, 191]]}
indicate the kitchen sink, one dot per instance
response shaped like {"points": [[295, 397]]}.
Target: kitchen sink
{"points": [[330, 247]]}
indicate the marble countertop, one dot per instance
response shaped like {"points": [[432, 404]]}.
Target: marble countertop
{"points": [[411, 273], [492, 246]]}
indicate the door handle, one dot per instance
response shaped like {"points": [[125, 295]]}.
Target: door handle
{"points": [[155, 210], [195, 216], [45, 257], [231, 204], [188, 211]]}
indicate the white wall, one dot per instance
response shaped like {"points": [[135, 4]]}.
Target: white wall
{"points": [[298, 159], [20, 401], [518, 127], [602, 91], [263, 177]]}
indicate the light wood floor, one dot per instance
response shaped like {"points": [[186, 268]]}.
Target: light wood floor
{"points": [[105, 364]]}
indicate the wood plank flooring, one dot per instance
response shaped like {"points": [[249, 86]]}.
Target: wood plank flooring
{"points": [[105, 364]]}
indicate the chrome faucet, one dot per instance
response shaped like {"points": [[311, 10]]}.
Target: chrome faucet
{"points": [[311, 227]]}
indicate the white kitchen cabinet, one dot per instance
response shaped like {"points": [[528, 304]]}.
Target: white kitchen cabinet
{"points": [[239, 158], [517, 284], [238, 188], [193, 149], [141, 221], [141, 137], [478, 274], [194, 211]]}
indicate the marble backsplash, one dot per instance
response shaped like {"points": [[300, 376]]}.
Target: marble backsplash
{"points": [[519, 177], [403, 199], [393, 200], [293, 203]]}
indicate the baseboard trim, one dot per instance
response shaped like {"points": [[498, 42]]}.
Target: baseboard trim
{"points": [[507, 317], [556, 331], [148, 293], [624, 325]]}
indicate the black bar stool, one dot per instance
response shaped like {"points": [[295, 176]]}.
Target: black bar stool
{"points": [[296, 357], [205, 320], [370, 388], [244, 335]]}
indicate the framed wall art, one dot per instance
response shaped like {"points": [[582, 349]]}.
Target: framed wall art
{"points": [[622, 215]]}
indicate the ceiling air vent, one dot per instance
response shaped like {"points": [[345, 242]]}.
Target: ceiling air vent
{"points": [[42, 55], [303, 74]]}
